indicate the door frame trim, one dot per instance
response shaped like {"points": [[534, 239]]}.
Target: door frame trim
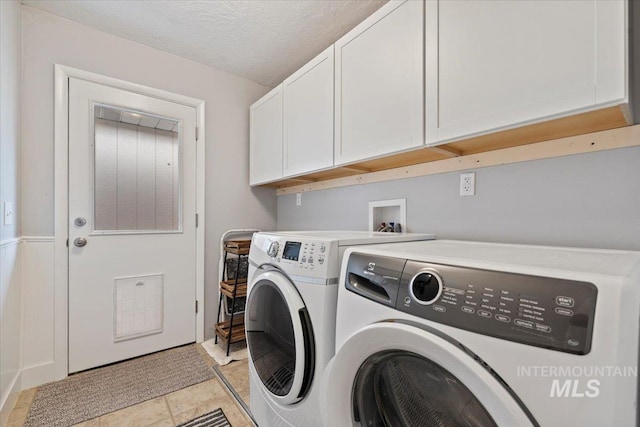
{"points": [[61, 200]]}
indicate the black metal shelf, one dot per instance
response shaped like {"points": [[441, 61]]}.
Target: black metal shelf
{"points": [[234, 287]]}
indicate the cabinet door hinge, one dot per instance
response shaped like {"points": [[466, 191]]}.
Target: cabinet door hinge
{"points": [[67, 242], [197, 136], [197, 221], [196, 306]]}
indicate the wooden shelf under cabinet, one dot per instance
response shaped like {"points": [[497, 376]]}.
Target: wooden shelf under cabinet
{"points": [[439, 157]]}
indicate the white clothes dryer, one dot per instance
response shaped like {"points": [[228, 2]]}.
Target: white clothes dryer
{"points": [[447, 333], [290, 318]]}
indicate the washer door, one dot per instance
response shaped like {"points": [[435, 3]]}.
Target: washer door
{"points": [[396, 374], [279, 337]]}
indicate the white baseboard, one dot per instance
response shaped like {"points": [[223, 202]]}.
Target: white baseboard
{"points": [[9, 400], [34, 376]]}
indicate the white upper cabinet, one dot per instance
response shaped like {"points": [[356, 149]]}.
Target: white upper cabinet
{"points": [[379, 84], [308, 117], [265, 153], [492, 65]]}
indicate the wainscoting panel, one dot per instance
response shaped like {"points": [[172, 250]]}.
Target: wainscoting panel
{"points": [[10, 324], [38, 297]]}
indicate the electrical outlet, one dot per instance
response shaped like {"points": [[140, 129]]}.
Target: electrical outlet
{"points": [[468, 184], [298, 199]]}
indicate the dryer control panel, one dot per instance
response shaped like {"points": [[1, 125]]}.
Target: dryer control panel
{"points": [[306, 260], [542, 311]]}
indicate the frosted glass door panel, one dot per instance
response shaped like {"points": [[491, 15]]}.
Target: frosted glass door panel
{"points": [[137, 172]]}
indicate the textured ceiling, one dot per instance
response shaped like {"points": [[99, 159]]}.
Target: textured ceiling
{"points": [[262, 40]]}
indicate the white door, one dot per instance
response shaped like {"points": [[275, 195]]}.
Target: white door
{"points": [[132, 236]]}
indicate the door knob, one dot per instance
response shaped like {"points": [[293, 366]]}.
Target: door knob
{"points": [[80, 242], [80, 221]]}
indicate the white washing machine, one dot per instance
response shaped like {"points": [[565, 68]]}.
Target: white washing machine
{"points": [[290, 318], [447, 333]]}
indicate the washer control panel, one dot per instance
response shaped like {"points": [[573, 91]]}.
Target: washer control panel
{"points": [[306, 254], [303, 257], [553, 313], [545, 312]]}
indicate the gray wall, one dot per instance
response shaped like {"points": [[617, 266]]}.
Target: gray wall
{"points": [[587, 200], [11, 311], [10, 88]]}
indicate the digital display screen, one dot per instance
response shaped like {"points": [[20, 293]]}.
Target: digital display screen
{"points": [[291, 250]]}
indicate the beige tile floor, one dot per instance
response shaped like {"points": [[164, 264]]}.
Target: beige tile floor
{"points": [[169, 410], [237, 373]]}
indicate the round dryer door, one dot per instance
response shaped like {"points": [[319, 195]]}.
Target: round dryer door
{"points": [[395, 374], [279, 337]]}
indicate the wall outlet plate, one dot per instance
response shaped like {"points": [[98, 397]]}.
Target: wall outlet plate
{"points": [[298, 199], [468, 184], [8, 213]]}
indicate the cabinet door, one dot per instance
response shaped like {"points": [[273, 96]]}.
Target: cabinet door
{"points": [[308, 117], [498, 64], [379, 84], [265, 154]]}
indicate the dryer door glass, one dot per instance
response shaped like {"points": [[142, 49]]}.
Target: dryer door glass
{"points": [[398, 388], [276, 323]]}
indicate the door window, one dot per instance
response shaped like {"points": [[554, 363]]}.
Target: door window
{"points": [[398, 388], [137, 171], [270, 337]]}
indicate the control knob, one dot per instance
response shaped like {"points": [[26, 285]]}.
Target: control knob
{"points": [[425, 287], [274, 247]]}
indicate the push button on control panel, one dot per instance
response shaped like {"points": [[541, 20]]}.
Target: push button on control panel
{"points": [[564, 311], [523, 323], [503, 318], [565, 301], [543, 328]]}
